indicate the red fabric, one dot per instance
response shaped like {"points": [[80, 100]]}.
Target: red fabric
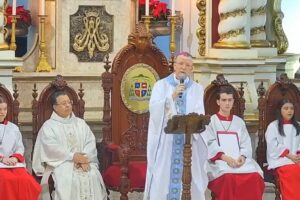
{"points": [[113, 147], [285, 121], [285, 153], [289, 181], [217, 156], [248, 186], [19, 157], [215, 20], [17, 183], [224, 118], [5, 122], [136, 175], [269, 172]]}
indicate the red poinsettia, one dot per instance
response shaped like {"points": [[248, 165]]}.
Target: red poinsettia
{"points": [[158, 10], [22, 12]]}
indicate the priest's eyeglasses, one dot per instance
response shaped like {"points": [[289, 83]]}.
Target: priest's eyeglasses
{"points": [[65, 103]]}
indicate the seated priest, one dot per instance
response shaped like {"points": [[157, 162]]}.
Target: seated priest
{"points": [[283, 149], [15, 182], [66, 149], [232, 172]]}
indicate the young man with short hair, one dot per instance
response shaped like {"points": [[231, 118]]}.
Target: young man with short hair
{"points": [[232, 172]]}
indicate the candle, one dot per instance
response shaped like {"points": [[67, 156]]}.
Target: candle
{"points": [[42, 7], [147, 8], [173, 8], [14, 7]]}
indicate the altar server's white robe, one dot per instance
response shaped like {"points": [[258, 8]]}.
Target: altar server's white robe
{"points": [[277, 144], [278, 147], [15, 181], [159, 146], [57, 139], [219, 167]]}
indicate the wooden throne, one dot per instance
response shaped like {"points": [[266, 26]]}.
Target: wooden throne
{"points": [[42, 107], [125, 122], [210, 99], [12, 103], [211, 92], [268, 101]]}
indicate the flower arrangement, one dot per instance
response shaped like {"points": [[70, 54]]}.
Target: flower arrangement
{"points": [[24, 14], [158, 10]]}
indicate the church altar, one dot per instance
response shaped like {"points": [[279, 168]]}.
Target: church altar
{"points": [[242, 39]]}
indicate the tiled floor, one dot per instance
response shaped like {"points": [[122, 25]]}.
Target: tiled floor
{"points": [[268, 195]]}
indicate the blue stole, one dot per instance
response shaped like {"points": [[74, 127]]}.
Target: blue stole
{"points": [[175, 182]]}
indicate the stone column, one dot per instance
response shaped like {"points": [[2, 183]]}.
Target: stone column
{"points": [[233, 27], [258, 22], [3, 31]]}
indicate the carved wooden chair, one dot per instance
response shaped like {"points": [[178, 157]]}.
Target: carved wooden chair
{"points": [[42, 108], [268, 101], [210, 96], [12, 103], [125, 125]]}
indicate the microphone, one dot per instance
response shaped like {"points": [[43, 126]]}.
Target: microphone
{"points": [[181, 81]]}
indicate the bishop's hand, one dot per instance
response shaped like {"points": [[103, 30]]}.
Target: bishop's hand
{"points": [[178, 90]]}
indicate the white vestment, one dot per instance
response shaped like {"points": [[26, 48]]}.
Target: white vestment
{"points": [[57, 139], [159, 146], [237, 127], [11, 143], [277, 144]]}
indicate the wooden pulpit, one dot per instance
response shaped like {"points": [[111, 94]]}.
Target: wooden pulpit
{"points": [[192, 123]]}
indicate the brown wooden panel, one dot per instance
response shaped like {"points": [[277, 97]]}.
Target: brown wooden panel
{"points": [[210, 97], [12, 103], [124, 128], [268, 101]]}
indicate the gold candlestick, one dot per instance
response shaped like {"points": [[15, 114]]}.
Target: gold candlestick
{"points": [[43, 65], [172, 46], [3, 30], [147, 20], [13, 45]]}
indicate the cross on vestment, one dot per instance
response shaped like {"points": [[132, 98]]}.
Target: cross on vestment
{"points": [[192, 123]]}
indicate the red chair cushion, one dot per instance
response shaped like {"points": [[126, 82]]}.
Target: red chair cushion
{"points": [[136, 175]]}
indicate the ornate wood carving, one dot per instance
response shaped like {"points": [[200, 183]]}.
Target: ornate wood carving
{"points": [[268, 101], [42, 108], [187, 124], [261, 137], [122, 127], [211, 92], [267, 105], [201, 31], [242, 100], [12, 103]]}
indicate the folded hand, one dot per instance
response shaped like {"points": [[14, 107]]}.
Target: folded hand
{"points": [[80, 158], [10, 161]]}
